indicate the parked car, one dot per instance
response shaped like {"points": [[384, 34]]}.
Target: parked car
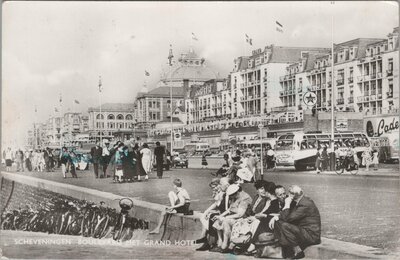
{"points": [[180, 161]]}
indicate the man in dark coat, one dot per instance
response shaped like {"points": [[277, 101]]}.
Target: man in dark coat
{"points": [[299, 223], [96, 153], [159, 153]]}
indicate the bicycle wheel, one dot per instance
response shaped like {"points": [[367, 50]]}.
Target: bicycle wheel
{"points": [[99, 229], [339, 168], [354, 169]]}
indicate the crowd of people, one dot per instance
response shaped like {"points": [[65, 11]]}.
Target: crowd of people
{"points": [[127, 162], [31, 160], [237, 223]]}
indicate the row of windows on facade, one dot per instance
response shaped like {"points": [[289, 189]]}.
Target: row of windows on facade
{"points": [[112, 117], [114, 125]]}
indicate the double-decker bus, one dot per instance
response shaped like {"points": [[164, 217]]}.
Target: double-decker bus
{"points": [[299, 149]]}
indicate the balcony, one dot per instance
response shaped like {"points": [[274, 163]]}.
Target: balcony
{"points": [[389, 94], [299, 89], [234, 85], [290, 92], [318, 87], [329, 83], [373, 76], [323, 86], [340, 82], [360, 99], [366, 98], [265, 79], [351, 100], [350, 80], [372, 97], [265, 94], [379, 75], [360, 78], [389, 73], [340, 101], [379, 96]]}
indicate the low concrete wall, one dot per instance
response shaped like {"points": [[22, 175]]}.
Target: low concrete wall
{"points": [[17, 189]]}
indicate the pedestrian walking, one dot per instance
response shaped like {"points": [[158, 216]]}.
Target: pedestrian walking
{"points": [[96, 153], [146, 160], [19, 159], [137, 157], [159, 153], [72, 162], [64, 159], [367, 158], [375, 159], [128, 163], [318, 160], [119, 158], [105, 158], [9, 159], [204, 162], [324, 159]]}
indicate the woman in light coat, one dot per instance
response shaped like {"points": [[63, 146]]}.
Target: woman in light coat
{"points": [[146, 160]]}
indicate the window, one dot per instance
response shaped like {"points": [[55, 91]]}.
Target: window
{"points": [[100, 116], [346, 54], [128, 117], [390, 65], [300, 82], [120, 117], [110, 117]]}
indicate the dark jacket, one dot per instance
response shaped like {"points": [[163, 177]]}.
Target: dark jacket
{"points": [[306, 216], [96, 153]]}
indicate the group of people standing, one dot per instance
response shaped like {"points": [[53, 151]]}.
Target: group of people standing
{"points": [[32, 160], [126, 162], [236, 222]]}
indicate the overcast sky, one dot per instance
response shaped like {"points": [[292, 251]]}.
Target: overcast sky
{"points": [[53, 48]]}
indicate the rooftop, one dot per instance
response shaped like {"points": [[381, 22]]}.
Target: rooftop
{"points": [[114, 107], [177, 92]]}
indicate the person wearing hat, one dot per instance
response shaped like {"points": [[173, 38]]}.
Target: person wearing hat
{"points": [[105, 157], [238, 202]]}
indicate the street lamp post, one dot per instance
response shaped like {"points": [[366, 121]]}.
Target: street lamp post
{"points": [[170, 56], [332, 157]]}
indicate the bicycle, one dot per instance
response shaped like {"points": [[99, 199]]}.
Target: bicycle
{"points": [[340, 166], [121, 225]]}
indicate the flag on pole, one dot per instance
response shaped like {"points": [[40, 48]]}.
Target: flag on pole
{"points": [[194, 37], [146, 73], [249, 40], [100, 88], [76, 101], [279, 27]]}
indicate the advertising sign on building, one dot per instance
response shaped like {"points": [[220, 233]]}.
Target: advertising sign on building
{"points": [[342, 124], [379, 126]]}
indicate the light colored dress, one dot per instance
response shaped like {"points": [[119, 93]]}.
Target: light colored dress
{"points": [[146, 159], [375, 159]]}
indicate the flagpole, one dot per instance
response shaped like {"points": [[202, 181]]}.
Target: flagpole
{"points": [[170, 56], [100, 123], [62, 123]]}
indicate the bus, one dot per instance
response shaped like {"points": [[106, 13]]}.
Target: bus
{"points": [[299, 149], [197, 148], [256, 144]]}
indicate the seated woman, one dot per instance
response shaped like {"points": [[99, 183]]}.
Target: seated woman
{"points": [[237, 203], [270, 209], [209, 216]]}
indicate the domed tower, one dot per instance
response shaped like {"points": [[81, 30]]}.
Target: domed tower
{"points": [[189, 70]]}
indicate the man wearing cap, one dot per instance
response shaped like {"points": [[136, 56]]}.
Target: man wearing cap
{"points": [[239, 202], [298, 226]]}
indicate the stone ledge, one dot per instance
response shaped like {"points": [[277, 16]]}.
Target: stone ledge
{"points": [[181, 227]]}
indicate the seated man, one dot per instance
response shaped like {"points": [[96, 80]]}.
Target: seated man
{"points": [[179, 199], [238, 201], [298, 225]]}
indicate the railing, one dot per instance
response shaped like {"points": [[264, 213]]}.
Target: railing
{"points": [[379, 96], [351, 100], [281, 93], [389, 94], [389, 73], [373, 75], [340, 82], [323, 86], [372, 97], [366, 98], [360, 99], [340, 101], [318, 87], [379, 75], [350, 80]]}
